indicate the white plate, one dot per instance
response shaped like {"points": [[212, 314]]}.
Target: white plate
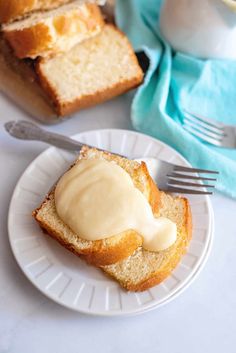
{"points": [[65, 278]]}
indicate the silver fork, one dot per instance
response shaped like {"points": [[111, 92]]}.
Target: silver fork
{"points": [[209, 130], [169, 177]]}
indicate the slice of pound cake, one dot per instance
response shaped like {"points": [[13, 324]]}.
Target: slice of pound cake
{"points": [[93, 71], [11, 10], [47, 33], [117, 246]]}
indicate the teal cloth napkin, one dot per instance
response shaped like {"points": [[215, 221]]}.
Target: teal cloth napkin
{"points": [[174, 82]]}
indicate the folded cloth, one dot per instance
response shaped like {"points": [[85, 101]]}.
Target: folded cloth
{"points": [[174, 82]]}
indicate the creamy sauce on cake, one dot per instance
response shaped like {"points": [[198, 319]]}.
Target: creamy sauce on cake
{"points": [[97, 199]]}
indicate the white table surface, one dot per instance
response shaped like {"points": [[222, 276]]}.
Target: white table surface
{"points": [[202, 319]]}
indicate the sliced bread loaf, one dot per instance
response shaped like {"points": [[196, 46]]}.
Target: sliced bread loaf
{"points": [[56, 31], [116, 247], [145, 269], [93, 71], [11, 10]]}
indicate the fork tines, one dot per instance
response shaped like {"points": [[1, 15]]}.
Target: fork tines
{"points": [[206, 129], [185, 180]]}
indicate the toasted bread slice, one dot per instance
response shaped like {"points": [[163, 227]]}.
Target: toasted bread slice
{"points": [[48, 33], [11, 10], [93, 71], [116, 247], [145, 269]]}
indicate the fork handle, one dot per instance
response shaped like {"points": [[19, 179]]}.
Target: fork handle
{"points": [[26, 130], [61, 141]]}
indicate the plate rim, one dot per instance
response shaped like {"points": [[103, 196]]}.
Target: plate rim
{"points": [[130, 312]]}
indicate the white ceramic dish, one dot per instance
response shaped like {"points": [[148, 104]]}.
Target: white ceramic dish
{"points": [[65, 278]]}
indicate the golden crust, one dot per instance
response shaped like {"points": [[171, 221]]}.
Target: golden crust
{"points": [[29, 41], [154, 193], [11, 10], [101, 255], [88, 100], [98, 254], [41, 38], [91, 99], [120, 246]]}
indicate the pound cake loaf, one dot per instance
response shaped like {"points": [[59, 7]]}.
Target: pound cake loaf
{"points": [[93, 71], [52, 89], [11, 10], [112, 249], [145, 269], [49, 33]]}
